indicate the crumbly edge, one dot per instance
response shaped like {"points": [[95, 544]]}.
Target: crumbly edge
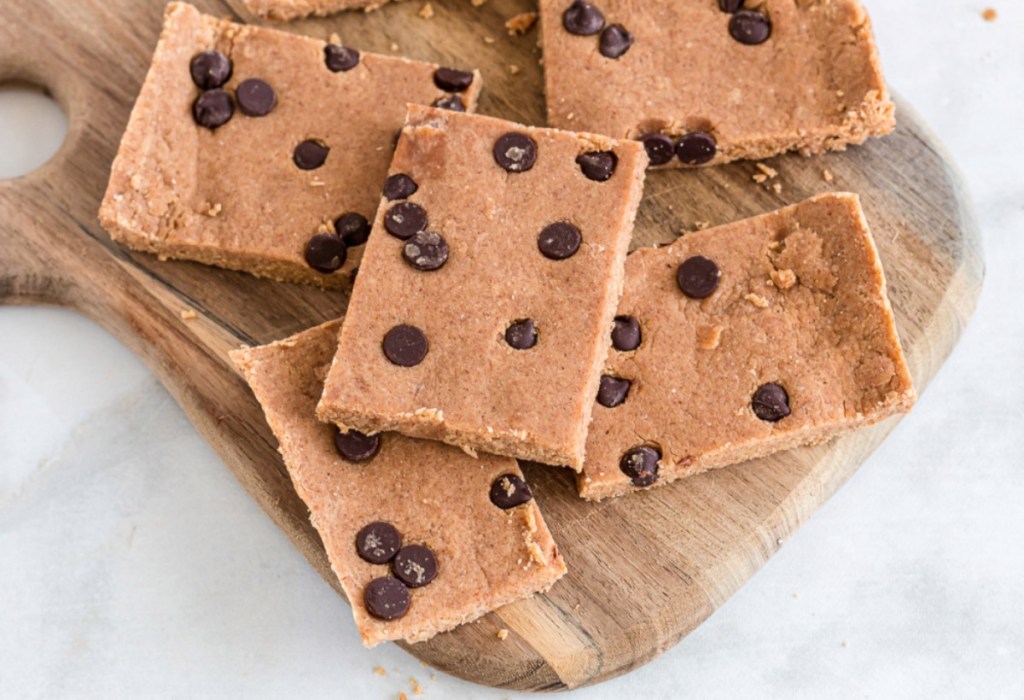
{"points": [[288, 10]]}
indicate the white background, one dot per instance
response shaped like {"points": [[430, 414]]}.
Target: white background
{"points": [[132, 563]]}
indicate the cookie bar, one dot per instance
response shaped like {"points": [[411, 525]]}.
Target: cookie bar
{"points": [[263, 151], [744, 340], [483, 305], [705, 82], [422, 536], [287, 10]]}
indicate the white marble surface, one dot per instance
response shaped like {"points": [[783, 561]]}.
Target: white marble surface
{"points": [[132, 564]]}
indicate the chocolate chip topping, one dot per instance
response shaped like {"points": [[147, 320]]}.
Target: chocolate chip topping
{"points": [[559, 240], [326, 253], [696, 148], [626, 333], [452, 79], [426, 251], [515, 152], [355, 446], [598, 165], [509, 491], [613, 391], [582, 18], [378, 542], [730, 5], [770, 403], [386, 598], [340, 58], [659, 147], [641, 465], [522, 334], [405, 219], [212, 109], [415, 565], [353, 228], [210, 69], [615, 41], [698, 277], [453, 103], [750, 27], [310, 154], [405, 345], [255, 97], [399, 186]]}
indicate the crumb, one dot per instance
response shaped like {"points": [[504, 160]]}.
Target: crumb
{"points": [[845, 644], [777, 188], [827, 176], [989, 15], [478, 3], [395, 47], [187, 315], [334, 38], [757, 300], [379, 670], [709, 337], [514, 69], [502, 634], [427, 11], [701, 225], [521, 23], [211, 210], [783, 279], [768, 171], [759, 178], [415, 685], [488, 39], [403, 696]]}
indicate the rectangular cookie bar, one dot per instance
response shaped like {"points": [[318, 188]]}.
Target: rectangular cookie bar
{"points": [[263, 151], [484, 300], [422, 536], [711, 81], [287, 10], [744, 340]]}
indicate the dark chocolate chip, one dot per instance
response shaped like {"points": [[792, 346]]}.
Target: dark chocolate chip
{"points": [[212, 109], [415, 565], [615, 41], [522, 334], [426, 251], [770, 403], [386, 598], [613, 391], [399, 186], [405, 219], [559, 240], [340, 58], [405, 345], [598, 165], [450, 102], [582, 19], [355, 446], [730, 5], [659, 147], [515, 152], [255, 97], [310, 154], [210, 69], [326, 253], [698, 277], [626, 333], [750, 27], [378, 542], [452, 79], [353, 228], [641, 465], [509, 491], [696, 148]]}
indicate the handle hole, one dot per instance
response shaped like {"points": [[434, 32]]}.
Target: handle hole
{"points": [[32, 128]]}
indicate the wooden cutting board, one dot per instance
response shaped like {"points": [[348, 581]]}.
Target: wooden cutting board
{"points": [[644, 570]]}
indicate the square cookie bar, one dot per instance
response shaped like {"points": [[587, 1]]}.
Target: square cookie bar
{"points": [[263, 151], [711, 81], [287, 10], [422, 536], [483, 306], [744, 340]]}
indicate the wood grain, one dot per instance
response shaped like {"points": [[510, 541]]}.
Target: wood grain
{"points": [[644, 570]]}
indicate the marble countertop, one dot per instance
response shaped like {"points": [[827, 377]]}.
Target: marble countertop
{"points": [[133, 564]]}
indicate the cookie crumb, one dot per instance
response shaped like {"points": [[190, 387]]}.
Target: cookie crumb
{"points": [[757, 300], [379, 670], [709, 337], [990, 15], [187, 315], [521, 23], [395, 47], [514, 69], [783, 279], [701, 225], [777, 188], [334, 38], [502, 634], [827, 176], [415, 685], [759, 178], [767, 170], [427, 11], [488, 39], [402, 696]]}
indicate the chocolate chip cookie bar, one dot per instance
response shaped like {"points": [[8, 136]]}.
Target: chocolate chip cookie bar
{"points": [[704, 82], [263, 151], [483, 304], [287, 10], [744, 340], [422, 536]]}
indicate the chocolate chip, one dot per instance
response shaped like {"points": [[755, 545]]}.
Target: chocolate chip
{"points": [[310, 154], [730, 5], [509, 491], [353, 228], [450, 102], [522, 334], [210, 69], [340, 58], [212, 109], [615, 41], [515, 152], [626, 333], [415, 565], [426, 251], [659, 147], [355, 446], [698, 277], [559, 240], [405, 345], [255, 97], [770, 403], [405, 219], [582, 19], [378, 542], [696, 148], [386, 598], [750, 27], [613, 391], [326, 253], [641, 465], [598, 165], [399, 186], [452, 80]]}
